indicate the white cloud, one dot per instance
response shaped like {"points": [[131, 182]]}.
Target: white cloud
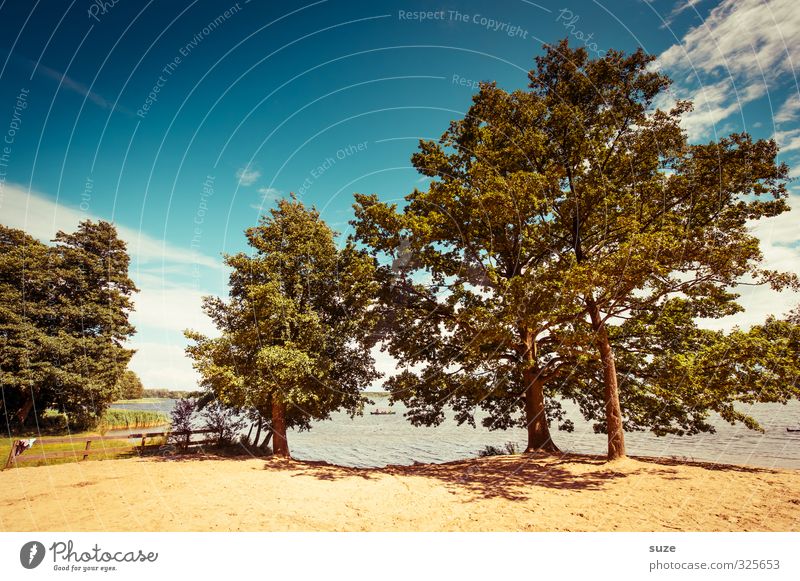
{"points": [[384, 363], [681, 7], [742, 50], [790, 110], [780, 244], [788, 140], [171, 309], [269, 193], [164, 365], [266, 195], [76, 87], [247, 176], [42, 217], [712, 104], [163, 308], [750, 38]]}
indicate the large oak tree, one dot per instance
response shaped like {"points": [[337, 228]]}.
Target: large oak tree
{"points": [[553, 215]]}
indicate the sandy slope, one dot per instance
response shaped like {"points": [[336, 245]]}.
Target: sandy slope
{"points": [[508, 493]]}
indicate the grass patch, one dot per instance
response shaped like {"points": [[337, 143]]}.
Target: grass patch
{"points": [[111, 449], [114, 419]]}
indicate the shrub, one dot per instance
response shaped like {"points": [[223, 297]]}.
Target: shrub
{"points": [[181, 417], [508, 448], [225, 422], [53, 421]]}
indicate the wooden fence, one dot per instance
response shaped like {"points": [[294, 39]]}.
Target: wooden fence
{"points": [[19, 447]]}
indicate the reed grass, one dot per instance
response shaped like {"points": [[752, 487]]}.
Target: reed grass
{"points": [[114, 419]]}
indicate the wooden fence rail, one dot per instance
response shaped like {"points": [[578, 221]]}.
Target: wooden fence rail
{"points": [[18, 447]]}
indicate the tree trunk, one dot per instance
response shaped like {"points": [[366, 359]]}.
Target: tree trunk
{"points": [[266, 441], [535, 415], [281, 445], [258, 431], [616, 435], [22, 413]]}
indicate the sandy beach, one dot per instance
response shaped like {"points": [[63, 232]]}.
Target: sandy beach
{"points": [[504, 493]]}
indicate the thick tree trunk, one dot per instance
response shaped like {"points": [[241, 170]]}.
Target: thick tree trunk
{"points": [[616, 435], [22, 413], [535, 415], [281, 445]]}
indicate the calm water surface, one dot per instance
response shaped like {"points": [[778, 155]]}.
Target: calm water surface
{"points": [[372, 440]]}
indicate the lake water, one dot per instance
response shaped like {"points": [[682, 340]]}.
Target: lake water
{"points": [[378, 440]]}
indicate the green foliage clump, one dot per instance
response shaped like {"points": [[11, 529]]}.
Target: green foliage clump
{"points": [[63, 322], [129, 386], [295, 331]]}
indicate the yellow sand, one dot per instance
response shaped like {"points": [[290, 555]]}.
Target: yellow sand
{"points": [[506, 493]]}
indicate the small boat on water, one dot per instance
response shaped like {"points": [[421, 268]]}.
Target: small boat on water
{"points": [[793, 429], [382, 412]]}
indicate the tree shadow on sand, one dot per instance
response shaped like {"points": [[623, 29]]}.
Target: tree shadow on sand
{"points": [[513, 477], [509, 477], [674, 461]]}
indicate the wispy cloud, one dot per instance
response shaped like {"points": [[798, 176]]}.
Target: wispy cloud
{"points": [[170, 294], [713, 103], [681, 7], [77, 87], [266, 196], [247, 176], [269, 194], [41, 217], [740, 37], [741, 51], [790, 110], [788, 140]]}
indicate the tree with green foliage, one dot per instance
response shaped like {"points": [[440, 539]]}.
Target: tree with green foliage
{"points": [[64, 321], [295, 331], [554, 214], [28, 348], [129, 386], [645, 216]]}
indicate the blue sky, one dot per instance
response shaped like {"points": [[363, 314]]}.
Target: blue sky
{"points": [[181, 122]]}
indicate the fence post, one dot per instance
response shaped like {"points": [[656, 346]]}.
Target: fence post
{"points": [[11, 454], [88, 445]]}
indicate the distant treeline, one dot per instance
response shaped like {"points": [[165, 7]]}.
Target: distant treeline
{"points": [[163, 392]]}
